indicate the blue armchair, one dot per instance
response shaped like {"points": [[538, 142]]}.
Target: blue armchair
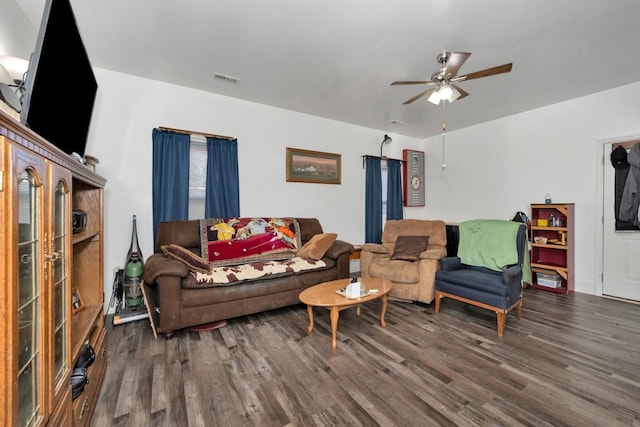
{"points": [[488, 269]]}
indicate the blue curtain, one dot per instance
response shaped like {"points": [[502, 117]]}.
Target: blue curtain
{"points": [[222, 197], [170, 173], [394, 189], [373, 201]]}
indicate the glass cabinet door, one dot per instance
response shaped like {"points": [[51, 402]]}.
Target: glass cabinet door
{"points": [[29, 294], [59, 273]]}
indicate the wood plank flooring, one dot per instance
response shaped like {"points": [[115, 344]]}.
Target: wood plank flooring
{"points": [[571, 361]]}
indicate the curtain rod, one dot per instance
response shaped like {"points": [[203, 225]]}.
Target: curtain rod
{"points": [[190, 132], [364, 157]]}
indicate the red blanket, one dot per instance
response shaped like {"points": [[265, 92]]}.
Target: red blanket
{"points": [[238, 240]]}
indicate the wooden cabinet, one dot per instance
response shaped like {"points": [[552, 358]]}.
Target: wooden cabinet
{"points": [[552, 247], [42, 261]]}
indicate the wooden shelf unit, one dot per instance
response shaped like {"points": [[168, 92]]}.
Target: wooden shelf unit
{"points": [[59, 262], [556, 256]]}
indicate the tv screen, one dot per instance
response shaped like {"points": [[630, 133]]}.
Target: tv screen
{"points": [[59, 82]]}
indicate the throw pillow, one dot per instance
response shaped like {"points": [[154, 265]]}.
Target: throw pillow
{"points": [[317, 246], [193, 261], [409, 248]]}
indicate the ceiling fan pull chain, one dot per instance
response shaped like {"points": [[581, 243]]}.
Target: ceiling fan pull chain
{"points": [[444, 131]]}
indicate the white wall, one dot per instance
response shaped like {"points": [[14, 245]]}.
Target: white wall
{"points": [[128, 108], [493, 169], [500, 167]]}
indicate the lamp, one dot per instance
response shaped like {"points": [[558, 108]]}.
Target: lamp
{"points": [[434, 98], [16, 67], [387, 140], [12, 72], [444, 92], [5, 77], [7, 94]]}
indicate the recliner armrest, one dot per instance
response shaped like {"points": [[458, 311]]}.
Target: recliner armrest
{"points": [[375, 248], [434, 253], [451, 263]]}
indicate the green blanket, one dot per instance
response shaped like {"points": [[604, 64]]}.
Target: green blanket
{"points": [[491, 243]]}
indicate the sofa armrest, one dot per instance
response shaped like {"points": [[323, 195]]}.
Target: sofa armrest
{"points": [[338, 248], [375, 248], [451, 263], [434, 253], [159, 265], [168, 290]]}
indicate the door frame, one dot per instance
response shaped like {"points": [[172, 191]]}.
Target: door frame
{"points": [[601, 160]]}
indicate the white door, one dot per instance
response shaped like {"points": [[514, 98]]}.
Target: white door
{"points": [[621, 249]]}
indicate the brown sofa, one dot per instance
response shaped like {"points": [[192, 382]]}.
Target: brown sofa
{"points": [[411, 280], [181, 303]]}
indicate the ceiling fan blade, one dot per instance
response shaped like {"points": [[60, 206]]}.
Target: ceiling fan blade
{"points": [[462, 92], [455, 61], [420, 95], [500, 69], [411, 82]]}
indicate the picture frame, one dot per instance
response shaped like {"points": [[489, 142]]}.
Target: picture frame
{"points": [[77, 303], [413, 171], [314, 167]]}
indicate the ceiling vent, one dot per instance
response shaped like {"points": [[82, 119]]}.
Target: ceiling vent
{"points": [[227, 78]]}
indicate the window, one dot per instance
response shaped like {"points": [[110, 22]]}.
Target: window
{"points": [[179, 170], [197, 176]]}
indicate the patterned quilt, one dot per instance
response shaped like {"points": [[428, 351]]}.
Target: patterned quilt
{"points": [[233, 274]]}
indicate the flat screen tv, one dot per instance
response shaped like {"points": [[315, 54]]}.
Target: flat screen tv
{"points": [[60, 87]]}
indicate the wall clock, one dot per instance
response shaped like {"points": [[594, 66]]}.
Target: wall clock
{"points": [[413, 172]]}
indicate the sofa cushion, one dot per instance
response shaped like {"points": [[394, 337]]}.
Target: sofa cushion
{"points": [[191, 260], [309, 227], [238, 240], [485, 281], [183, 233], [317, 246], [409, 248], [435, 229]]}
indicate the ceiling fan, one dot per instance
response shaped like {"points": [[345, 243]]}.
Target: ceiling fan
{"points": [[442, 85]]}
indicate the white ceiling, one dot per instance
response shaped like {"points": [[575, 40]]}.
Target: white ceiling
{"points": [[337, 58]]}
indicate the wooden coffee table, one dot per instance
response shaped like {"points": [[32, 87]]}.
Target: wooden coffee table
{"points": [[324, 295]]}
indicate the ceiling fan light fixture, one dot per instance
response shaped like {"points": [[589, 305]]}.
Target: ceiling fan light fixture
{"points": [[455, 94], [445, 92], [443, 82], [434, 98]]}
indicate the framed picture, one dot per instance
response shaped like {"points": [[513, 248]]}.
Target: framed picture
{"points": [[76, 301], [313, 166], [413, 171]]}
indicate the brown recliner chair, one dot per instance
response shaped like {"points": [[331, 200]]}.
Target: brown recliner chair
{"points": [[411, 280]]}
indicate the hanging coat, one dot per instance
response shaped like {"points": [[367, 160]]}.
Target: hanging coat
{"points": [[630, 201], [621, 166]]}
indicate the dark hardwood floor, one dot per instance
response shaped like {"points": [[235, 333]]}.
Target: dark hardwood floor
{"points": [[571, 361]]}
